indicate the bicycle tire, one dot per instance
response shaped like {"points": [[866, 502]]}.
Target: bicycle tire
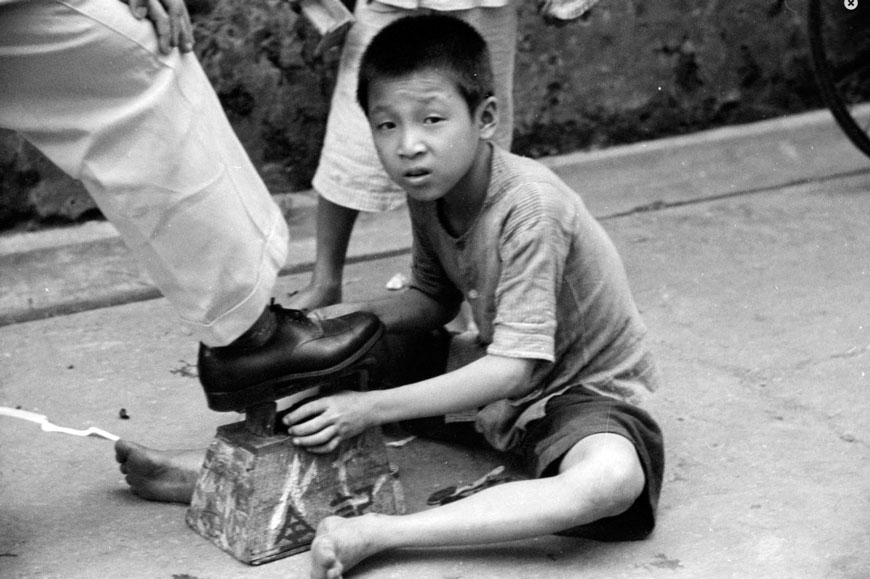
{"points": [[827, 81]]}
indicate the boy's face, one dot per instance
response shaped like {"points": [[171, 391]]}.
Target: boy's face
{"points": [[426, 137]]}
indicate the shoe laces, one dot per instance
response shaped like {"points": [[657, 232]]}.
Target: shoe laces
{"points": [[293, 314]]}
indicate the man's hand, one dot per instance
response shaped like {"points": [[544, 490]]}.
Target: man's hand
{"points": [[171, 21], [322, 423]]}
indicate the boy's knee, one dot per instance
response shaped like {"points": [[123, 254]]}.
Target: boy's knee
{"points": [[612, 474], [622, 482]]}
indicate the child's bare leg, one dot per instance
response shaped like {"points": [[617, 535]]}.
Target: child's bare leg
{"points": [[159, 475], [601, 476], [334, 226]]}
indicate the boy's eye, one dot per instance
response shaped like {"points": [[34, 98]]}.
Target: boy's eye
{"points": [[432, 119], [385, 125]]}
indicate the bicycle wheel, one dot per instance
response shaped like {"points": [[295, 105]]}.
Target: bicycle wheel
{"points": [[839, 33]]}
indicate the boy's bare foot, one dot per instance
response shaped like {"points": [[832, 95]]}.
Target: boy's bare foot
{"points": [[339, 545], [313, 296], [159, 475]]}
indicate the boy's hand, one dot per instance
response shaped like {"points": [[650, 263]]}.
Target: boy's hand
{"points": [[324, 422], [171, 21]]}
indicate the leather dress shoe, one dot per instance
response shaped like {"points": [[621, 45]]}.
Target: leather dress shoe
{"points": [[301, 350]]}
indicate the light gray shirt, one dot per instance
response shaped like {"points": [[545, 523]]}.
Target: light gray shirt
{"points": [[544, 282]]}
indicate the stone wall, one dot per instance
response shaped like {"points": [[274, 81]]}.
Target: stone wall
{"points": [[633, 70]]}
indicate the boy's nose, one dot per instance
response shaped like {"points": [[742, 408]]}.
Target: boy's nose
{"points": [[411, 145]]}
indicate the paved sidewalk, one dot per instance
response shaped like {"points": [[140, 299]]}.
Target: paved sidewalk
{"points": [[73, 269], [749, 254]]}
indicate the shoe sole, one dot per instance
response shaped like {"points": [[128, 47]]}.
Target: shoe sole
{"points": [[282, 386]]}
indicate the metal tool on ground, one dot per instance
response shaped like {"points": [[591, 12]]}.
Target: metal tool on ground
{"points": [[260, 498]]}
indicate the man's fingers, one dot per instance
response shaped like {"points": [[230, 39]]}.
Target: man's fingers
{"points": [[158, 16], [139, 8], [177, 12], [174, 27], [186, 33], [171, 21], [180, 28]]}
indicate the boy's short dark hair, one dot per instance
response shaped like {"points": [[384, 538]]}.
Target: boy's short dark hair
{"points": [[426, 42]]}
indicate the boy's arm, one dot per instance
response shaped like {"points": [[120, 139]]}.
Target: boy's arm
{"points": [[321, 424], [477, 384], [410, 310]]}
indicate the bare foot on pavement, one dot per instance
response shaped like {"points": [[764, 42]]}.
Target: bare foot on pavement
{"points": [[339, 545], [159, 475]]}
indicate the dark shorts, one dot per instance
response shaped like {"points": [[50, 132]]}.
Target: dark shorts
{"points": [[578, 413], [570, 417]]}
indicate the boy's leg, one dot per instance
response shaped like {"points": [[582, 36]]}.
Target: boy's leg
{"points": [[601, 476], [349, 177], [601, 463], [334, 226]]}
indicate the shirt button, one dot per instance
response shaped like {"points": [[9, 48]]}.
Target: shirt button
{"points": [[472, 294]]}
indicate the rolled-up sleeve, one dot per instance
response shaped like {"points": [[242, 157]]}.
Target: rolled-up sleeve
{"points": [[532, 267]]}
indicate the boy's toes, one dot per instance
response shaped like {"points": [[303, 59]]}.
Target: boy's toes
{"points": [[325, 563], [122, 450]]}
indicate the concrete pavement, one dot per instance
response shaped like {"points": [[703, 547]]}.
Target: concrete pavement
{"points": [[749, 254]]}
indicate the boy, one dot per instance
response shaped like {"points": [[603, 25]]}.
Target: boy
{"points": [[560, 359], [349, 177]]}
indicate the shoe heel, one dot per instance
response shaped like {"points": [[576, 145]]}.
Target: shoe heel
{"points": [[262, 419]]}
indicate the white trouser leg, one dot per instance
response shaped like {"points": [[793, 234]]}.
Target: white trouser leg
{"points": [[84, 82]]}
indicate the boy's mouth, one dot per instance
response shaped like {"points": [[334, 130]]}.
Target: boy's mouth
{"points": [[416, 176], [416, 173]]}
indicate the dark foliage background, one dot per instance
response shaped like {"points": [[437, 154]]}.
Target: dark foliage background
{"points": [[634, 70]]}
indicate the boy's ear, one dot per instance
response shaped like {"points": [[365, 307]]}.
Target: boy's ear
{"points": [[487, 117]]}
